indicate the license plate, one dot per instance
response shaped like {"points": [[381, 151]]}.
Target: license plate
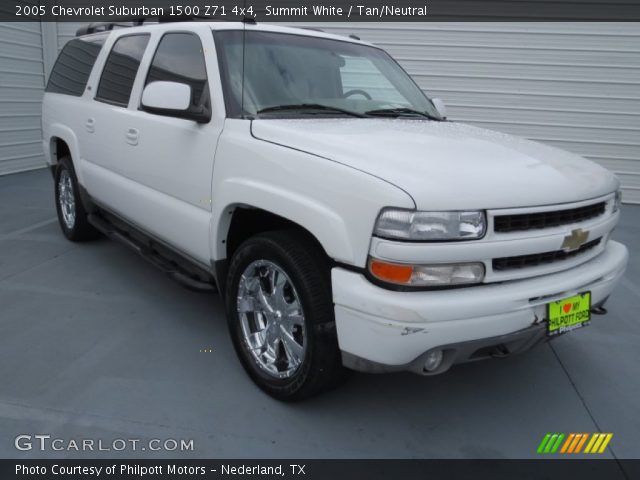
{"points": [[568, 314]]}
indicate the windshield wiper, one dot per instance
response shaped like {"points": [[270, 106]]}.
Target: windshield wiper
{"points": [[400, 111], [310, 106]]}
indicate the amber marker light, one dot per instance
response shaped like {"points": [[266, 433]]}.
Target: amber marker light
{"points": [[391, 272]]}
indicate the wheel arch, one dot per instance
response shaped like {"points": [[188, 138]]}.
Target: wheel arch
{"points": [[247, 221], [63, 142], [236, 220]]}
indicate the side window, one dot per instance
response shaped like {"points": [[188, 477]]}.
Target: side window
{"points": [[73, 66], [179, 58], [121, 68]]}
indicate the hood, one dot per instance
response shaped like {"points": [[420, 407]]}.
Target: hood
{"points": [[445, 165]]}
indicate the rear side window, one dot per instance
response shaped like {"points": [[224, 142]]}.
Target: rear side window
{"points": [[179, 58], [73, 66], [121, 68]]}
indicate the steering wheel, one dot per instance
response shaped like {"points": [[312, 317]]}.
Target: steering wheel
{"points": [[357, 91]]}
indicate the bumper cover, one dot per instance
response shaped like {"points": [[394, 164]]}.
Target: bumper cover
{"points": [[383, 330]]}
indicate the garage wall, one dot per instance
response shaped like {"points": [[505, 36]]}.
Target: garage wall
{"points": [[67, 31], [21, 88]]}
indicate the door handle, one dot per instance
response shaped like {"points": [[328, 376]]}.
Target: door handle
{"points": [[132, 136], [90, 125]]}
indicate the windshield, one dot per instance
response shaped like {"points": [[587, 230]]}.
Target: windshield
{"points": [[305, 75]]}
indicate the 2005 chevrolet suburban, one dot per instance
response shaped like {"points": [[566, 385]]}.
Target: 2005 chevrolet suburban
{"points": [[346, 223]]}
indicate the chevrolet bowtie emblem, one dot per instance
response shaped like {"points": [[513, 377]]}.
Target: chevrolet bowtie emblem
{"points": [[575, 240]]}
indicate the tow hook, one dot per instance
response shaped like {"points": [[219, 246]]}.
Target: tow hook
{"points": [[599, 311]]}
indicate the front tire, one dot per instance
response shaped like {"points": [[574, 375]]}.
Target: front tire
{"points": [[72, 216], [280, 314]]}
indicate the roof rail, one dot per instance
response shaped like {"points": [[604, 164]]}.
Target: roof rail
{"points": [[134, 22], [106, 26]]}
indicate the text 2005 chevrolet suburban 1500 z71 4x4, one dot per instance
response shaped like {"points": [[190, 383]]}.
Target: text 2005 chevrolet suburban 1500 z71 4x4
{"points": [[344, 220]]}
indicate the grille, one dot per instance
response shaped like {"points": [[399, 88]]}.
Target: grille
{"points": [[533, 260], [538, 220]]}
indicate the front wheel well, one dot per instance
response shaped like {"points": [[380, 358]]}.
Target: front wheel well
{"points": [[247, 222]]}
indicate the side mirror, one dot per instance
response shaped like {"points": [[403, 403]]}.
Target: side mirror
{"points": [[440, 107], [172, 99]]}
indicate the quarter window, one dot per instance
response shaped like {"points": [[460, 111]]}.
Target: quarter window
{"points": [[73, 66], [121, 68], [179, 58]]}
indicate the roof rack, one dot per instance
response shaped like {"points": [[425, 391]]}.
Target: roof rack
{"points": [[104, 27], [135, 22]]}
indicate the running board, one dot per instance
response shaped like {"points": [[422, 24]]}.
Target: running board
{"points": [[169, 267]]}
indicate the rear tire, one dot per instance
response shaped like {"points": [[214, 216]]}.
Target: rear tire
{"points": [[280, 314], [72, 216]]}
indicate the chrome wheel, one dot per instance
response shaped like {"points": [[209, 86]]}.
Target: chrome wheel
{"points": [[66, 199], [271, 318]]}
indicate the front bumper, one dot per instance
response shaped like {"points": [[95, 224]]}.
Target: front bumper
{"points": [[384, 330]]}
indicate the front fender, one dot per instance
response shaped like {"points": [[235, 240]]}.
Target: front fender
{"points": [[335, 203]]}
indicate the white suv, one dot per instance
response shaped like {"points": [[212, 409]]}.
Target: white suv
{"points": [[343, 219]]}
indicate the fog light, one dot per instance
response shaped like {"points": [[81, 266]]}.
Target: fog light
{"points": [[433, 361]]}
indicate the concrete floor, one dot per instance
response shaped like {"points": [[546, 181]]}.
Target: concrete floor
{"points": [[95, 343]]}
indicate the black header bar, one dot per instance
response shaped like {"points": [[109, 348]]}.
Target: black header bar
{"points": [[582, 469], [275, 11]]}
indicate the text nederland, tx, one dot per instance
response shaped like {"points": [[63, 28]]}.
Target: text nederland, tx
{"points": [[169, 469]]}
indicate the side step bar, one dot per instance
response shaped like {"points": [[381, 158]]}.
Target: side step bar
{"points": [[169, 267]]}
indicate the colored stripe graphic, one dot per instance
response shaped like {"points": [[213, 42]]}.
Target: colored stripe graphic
{"points": [[606, 441], [575, 442], [596, 446], [556, 443], [543, 443], [567, 442], [584, 439], [551, 442], [594, 437], [598, 443]]}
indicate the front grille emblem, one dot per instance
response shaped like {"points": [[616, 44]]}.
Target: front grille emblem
{"points": [[575, 240]]}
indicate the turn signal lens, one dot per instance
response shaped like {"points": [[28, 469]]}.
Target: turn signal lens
{"points": [[437, 275], [391, 272]]}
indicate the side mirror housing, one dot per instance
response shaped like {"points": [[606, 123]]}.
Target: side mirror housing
{"points": [[440, 106], [172, 99]]}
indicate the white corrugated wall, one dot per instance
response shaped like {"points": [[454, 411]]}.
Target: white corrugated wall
{"points": [[21, 88], [575, 86]]}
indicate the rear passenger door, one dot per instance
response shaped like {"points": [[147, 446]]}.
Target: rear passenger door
{"points": [[65, 106], [102, 134], [168, 159]]}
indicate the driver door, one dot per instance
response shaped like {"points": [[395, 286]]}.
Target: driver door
{"points": [[170, 160]]}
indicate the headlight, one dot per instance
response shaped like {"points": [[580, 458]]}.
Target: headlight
{"points": [[437, 275], [413, 225], [617, 203]]}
